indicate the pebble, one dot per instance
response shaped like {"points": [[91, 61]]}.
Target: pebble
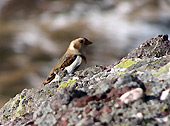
{"points": [[132, 95], [164, 94]]}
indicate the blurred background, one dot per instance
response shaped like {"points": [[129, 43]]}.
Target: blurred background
{"points": [[35, 33]]}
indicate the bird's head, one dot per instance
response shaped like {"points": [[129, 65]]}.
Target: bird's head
{"points": [[79, 44]]}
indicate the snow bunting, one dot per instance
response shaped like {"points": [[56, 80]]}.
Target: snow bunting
{"points": [[72, 60]]}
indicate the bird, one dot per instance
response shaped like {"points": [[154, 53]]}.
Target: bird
{"points": [[73, 59]]}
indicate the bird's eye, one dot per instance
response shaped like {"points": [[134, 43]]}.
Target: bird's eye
{"points": [[81, 41]]}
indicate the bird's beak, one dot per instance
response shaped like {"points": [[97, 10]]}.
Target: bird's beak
{"points": [[89, 43]]}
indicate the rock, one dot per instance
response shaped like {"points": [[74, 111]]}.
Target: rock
{"points": [[132, 95], [44, 115], [138, 115], [102, 95], [164, 94], [156, 47]]}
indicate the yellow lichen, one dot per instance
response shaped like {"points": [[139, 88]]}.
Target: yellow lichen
{"points": [[152, 107], [18, 98], [126, 63], [148, 91], [79, 124], [162, 70], [19, 109], [122, 66], [68, 83], [148, 65], [164, 108], [120, 73]]}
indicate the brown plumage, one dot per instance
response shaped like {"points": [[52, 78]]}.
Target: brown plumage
{"points": [[71, 60]]}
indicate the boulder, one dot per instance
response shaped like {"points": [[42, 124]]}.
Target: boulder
{"points": [[133, 91]]}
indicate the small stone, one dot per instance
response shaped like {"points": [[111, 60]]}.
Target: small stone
{"points": [[132, 95], [75, 78], [162, 120], [164, 94], [138, 115]]}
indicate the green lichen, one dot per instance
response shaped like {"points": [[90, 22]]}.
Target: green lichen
{"points": [[16, 101], [120, 73], [69, 83], [148, 91], [164, 108], [126, 63], [162, 70], [17, 107], [145, 123], [148, 65], [79, 124], [19, 111], [127, 124], [152, 107]]}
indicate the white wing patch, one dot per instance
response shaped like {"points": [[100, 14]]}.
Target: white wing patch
{"points": [[76, 63], [57, 78]]}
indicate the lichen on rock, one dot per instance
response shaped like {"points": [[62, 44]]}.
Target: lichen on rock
{"points": [[69, 83], [133, 91]]}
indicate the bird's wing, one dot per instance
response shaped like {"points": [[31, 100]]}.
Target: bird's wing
{"points": [[74, 64], [67, 62]]}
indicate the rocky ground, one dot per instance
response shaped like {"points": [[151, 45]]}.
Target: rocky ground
{"points": [[35, 33], [133, 91]]}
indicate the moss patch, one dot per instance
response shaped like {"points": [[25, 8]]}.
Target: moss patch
{"points": [[126, 63], [69, 83], [162, 70]]}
